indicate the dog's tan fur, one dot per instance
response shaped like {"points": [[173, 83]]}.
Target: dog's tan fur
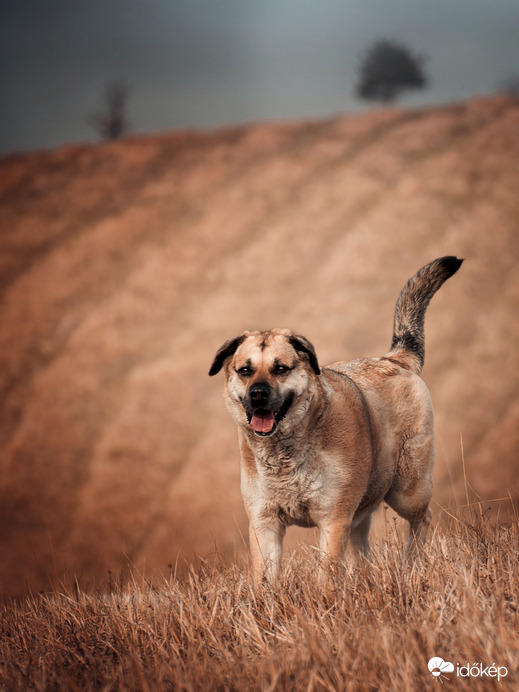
{"points": [[355, 433]]}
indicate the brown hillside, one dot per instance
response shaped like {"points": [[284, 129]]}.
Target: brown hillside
{"points": [[124, 267]]}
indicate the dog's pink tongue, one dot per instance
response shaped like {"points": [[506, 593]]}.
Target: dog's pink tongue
{"points": [[263, 421]]}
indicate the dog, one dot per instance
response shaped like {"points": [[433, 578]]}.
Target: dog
{"points": [[323, 447]]}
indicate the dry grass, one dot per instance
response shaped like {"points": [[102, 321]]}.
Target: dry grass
{"points": [[373, 628]]}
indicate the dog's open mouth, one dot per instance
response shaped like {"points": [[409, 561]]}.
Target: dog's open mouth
{"points": [[265, 421]]}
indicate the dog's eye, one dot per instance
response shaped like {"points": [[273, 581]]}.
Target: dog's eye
{"points": [[245, 371], [281, 369]]}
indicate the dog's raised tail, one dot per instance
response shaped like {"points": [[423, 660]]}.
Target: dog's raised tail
{"points": [[408, 328]]}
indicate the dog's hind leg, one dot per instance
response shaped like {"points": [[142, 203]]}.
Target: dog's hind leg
{"points": [[411, 491], [418, 528], [415, 509], [419, 520], [359, 535]]}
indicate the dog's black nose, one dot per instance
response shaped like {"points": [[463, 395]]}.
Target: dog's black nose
{"points": [[259, 394]]}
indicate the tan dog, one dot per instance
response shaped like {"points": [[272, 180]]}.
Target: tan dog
{"points": [[324, 447]]}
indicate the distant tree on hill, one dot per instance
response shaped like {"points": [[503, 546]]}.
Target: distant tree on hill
{"points": [[387, 69], [510, 86], [112, 122]]}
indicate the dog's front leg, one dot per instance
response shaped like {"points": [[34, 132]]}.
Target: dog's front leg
{"points": [[333, 539], [266, 547]]}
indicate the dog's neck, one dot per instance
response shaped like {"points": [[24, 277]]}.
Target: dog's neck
{"points": [[286, 451]]}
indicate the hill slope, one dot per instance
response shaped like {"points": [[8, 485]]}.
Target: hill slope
{"points": [[123, 267]]}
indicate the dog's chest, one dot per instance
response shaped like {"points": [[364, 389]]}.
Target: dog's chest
{"points": [[294, 494]]}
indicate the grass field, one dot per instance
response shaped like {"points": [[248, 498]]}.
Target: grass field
{"points": [[373, 627]]}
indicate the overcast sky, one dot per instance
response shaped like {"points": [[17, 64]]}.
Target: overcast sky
{"points": [[204, 63]]}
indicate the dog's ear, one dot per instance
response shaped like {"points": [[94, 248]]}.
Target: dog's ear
{"points": [[302, 345], [225, 351]]}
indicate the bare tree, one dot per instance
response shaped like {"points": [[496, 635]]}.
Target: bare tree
{"points": [[112, 122], [387, 69]]}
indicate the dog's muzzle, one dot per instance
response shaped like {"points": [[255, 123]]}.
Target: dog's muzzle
{"points": [[261, 414]]}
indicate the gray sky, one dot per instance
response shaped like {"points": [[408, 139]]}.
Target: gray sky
{"points": [[204, 63]]}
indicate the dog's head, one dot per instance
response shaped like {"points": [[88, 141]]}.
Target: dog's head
{"points": [[268, 378]]}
